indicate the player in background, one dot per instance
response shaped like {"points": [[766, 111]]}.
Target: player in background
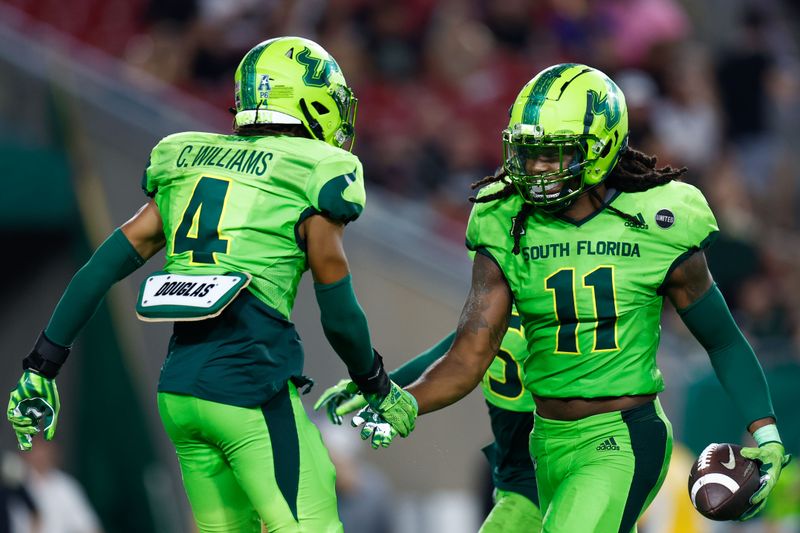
{"points": [[587, 237], [241, 217], [516, 502]]}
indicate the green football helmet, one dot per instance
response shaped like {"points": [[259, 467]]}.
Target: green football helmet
{"points": [[570, 114], [291, 80]]}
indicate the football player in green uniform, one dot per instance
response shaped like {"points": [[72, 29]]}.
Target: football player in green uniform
{"points": [[587, 237], [241, 218], [511, 414]]}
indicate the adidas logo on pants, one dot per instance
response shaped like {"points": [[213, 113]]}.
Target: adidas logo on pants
{"points": [[608, 444]]}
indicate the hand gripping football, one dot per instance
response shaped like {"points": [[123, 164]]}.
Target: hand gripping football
{"points": [[722, 481]]}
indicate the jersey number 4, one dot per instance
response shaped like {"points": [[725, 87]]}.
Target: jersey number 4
{"points": [[601, 282], [198, 231]]}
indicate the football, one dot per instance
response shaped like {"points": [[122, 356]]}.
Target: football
{"points": [[722, 481]]}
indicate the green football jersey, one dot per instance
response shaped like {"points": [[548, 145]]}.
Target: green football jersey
{"points": [[503, 382], [234, 204], [589, 292]]}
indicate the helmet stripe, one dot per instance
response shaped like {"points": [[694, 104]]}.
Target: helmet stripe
{"points": [[248, 82], [530, 114]]}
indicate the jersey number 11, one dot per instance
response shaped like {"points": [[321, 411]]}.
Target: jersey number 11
{"points": [[601, 282]]}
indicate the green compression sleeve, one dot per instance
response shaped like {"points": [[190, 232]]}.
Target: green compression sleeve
{"points": [[732, 357], [344, 324], [113, 260], [410, 371]]}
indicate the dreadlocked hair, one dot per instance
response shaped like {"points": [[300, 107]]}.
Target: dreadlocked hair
{"points": [[636, 172], [499, 176]]}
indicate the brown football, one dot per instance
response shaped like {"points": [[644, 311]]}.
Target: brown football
{"points": [[722, 481]]}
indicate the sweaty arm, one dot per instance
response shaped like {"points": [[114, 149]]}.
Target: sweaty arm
{"points": [[125, 250], [481, 328], [702, 307], [343, 319]]}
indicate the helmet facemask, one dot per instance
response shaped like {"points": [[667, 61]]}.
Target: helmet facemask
{"points": [[550, 190], [566, 130], [347, 106]]}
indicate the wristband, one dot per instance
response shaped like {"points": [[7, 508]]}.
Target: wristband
{"points": [[765, 434], [46, 357], [376, 381]]}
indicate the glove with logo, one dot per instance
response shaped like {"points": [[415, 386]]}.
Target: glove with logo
{"points": [[379, 431], [398, 408], [32, 403], [772, 458], [384, 418], [339, 400], [386, 398]]}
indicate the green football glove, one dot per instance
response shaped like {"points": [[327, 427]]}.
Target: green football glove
{"points": [[339, 400], [385, 417], [398, 408], [375, 428], [34, 402], [352, 405], [773, 458]]}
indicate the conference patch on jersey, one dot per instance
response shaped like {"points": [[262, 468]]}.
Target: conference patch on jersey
{"points": [[175, 297], [665, 218]]}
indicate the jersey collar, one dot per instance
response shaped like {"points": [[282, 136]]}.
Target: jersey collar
{"points": [[611, 195]]}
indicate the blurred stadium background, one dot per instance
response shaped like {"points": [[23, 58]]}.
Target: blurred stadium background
{"points": [[89, 86]]}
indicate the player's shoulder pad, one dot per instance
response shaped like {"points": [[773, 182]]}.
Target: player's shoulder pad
{"points": [[336, 187], [184, 136], [163, 154], [483, 208], [483, 213], [682, 212], [163, 150], [491, 188]]}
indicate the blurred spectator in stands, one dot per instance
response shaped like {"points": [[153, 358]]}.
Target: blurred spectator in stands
{"points": [[582, 33], [165, 49], [764, 317], [16, 503], [509, 21], [639, 29], [62, 504], [641, 94], [686, 121], [746, 73]]}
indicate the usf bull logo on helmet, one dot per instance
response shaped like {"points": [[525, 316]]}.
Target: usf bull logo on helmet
{"points": [[291, 80], [571, 114]]}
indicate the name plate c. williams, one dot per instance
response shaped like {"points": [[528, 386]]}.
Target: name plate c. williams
{"points": [[165, 297]]}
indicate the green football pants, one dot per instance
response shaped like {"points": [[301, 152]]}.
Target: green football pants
{"points": [[598, 474], [512, 513], [244, 465]]}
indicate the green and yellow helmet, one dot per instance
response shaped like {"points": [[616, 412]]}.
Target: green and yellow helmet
{"points": [[572, 114], [291, 80]]}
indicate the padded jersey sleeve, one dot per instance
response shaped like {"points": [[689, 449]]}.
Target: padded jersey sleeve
{"points": [[482, 228], [152, 172], [148, 186], [162, 162], [690, 224], [697, 225], [336, 188]]}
